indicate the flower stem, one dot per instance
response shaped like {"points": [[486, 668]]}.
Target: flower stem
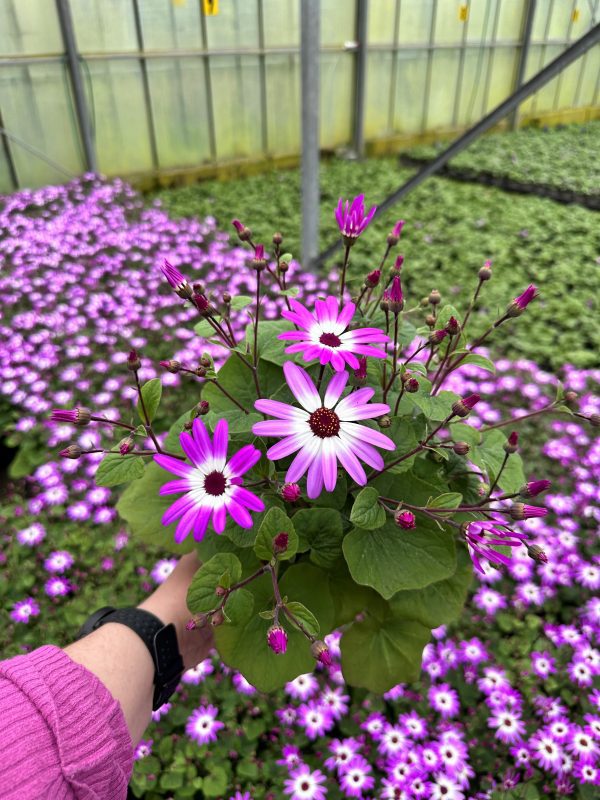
{"points": [[498, 476], [147, 423], [255, 353], [514, 420], [343, 278], [222, 389], [421, 446], [116, 422]]}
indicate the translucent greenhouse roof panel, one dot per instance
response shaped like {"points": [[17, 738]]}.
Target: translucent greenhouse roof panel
{"points": [[104, 27], [29, 27]]}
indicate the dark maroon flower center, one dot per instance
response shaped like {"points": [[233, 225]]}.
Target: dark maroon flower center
{"points": [[324, 423], [330, 339], [215, 483]]}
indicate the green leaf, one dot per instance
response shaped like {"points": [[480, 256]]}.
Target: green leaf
{"points": [[244, 537], [142, 508], [320, 531], [239, 424], [446, 500], [215, 783], [382, 651], [336, 499], [440, 602], [489, 457], [306, 617], [239, 606], [201, 595], [479, 361], [275, 521], [390, 559], [240, 301], [287, 257], [293, 292], [244, 646], [115, 469], [366, 512], [237, 379], [435, 408], [172, 779], [151, 394], [270, 348], [204, 329], [463, 432]]}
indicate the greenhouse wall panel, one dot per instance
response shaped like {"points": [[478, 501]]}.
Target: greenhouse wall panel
{"points": [[169, 89]]}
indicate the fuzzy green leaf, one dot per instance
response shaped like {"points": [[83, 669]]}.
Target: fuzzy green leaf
{"points": [[115, 469], [366, 512], [151, 394]]}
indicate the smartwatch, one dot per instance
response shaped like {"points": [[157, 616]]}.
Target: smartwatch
{"points": [[160, 639]]}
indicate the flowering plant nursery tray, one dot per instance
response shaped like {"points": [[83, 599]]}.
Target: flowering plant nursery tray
{"points": [[325, 476]]}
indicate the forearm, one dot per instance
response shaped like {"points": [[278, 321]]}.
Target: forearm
{"points": [[119, 658]]}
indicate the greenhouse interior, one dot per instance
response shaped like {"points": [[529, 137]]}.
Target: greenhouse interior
{"points": [[299, 399]]}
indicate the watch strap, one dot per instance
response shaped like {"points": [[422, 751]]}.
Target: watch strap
{"points": [[160, 639]]}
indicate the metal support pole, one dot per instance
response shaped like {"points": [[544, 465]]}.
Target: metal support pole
{"points": [[545, 75], [139, 33], [362, 17], [81, 108], [12, 170], [522, 65], [310, 39]]}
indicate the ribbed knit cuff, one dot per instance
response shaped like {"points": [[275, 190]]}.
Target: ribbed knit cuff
{"points": [[94, 747]]}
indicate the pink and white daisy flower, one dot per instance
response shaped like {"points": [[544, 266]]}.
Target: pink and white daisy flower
{"points": [[323, 431], [202, 725], [305, 785], [212, 484], [355, 778], [351, 217], [58, 561], [23, 610], [195, 675], [162, 569], [324, 335]]}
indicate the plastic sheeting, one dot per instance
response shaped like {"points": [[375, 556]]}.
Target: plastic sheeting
{"points": [[227, 87]]}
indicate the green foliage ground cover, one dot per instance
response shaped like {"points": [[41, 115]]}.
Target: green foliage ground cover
{"points": [[452, 228], [565, 156]]}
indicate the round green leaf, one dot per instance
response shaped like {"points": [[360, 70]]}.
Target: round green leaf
{"points": [[115, 469], [239, 606], [303, 615], [275, 521], [151, 394], [201, 595], [320, 531], [366, 512]]}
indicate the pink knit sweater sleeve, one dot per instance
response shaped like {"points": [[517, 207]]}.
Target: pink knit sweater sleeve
{"points": [[62, 734]]}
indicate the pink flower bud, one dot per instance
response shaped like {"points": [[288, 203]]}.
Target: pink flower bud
{"points": [[280, 543], [78, 416], [133, 360], [463, 406], [520, 511], [176, 280], [533, 488], [290, 492], [277, 639], [320, 652], [405, 520], [373, 278]]}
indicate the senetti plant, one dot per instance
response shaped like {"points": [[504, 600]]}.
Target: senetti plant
{"points": [[326, 477]]}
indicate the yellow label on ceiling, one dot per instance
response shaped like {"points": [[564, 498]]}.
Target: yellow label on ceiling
{"points": [[179, 2], [210, 7], [463, 12]]}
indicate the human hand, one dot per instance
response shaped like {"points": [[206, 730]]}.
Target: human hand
{"points": [[169, 603]]}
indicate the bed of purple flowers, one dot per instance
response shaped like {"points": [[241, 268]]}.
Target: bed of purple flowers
{"points": [[508, 705]]}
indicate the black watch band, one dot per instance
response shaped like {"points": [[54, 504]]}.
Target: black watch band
{"points": [[160, 639]]}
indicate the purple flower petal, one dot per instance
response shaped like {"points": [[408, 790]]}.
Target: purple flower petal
{"points": [[174, 465], [301, 386], [242, 461], [334, 390]]}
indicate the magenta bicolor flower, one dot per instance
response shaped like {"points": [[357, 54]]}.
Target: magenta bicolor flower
{"points": [[143, 749], [351, 218], [277, 639], [212, 484], [444, 699], [23, 610], [58, 561], [31, 535], [202, 725], [197, 674], [304, 784], [323, 431], [482, 536], [57, 586], [162, 569], [355, 778], [324, 335]]}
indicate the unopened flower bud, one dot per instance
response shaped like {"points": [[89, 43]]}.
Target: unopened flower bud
{"points": [[189, 425], [511, 445], [283, 266], [244, 233], [290, 492], [533, 488], [411, 385], [384, 422], [405, 520], [218, 618], [397, 265], [198, 288], [320, 652], [461, 448], [393, 236], [430, 320], [396, 298], [462, 407], [520, 511], [594, 420], [571, 399], [359, 376], [277, 238], [453, 326], [434, 297], [226, 298], [424, 302], [517, 306], [373, 278], [200, 371], [280, 543], [220, 591], [72, 451], [203, 407], [133, 361], [485, 273], [126, 445], [384, 303], [172, 366], [435, 337], [259, 261], [205, 361], [537, 554], [80, 416], [277, 639], [202, 304]]}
